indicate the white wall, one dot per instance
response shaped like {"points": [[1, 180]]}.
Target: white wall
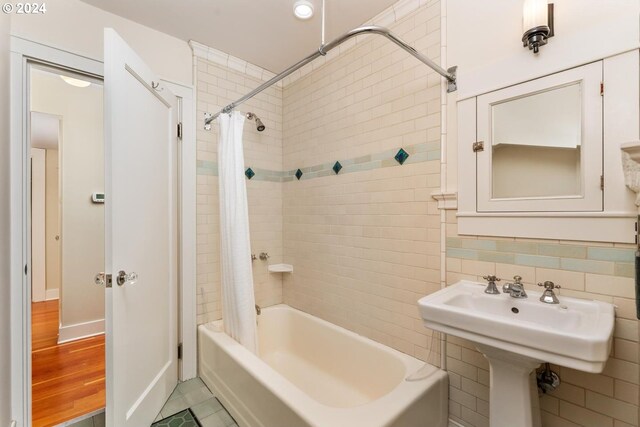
{"points": [[52, 225], [82, 163], [78, 27], [38, 252], [484, 40], [5, 354]]}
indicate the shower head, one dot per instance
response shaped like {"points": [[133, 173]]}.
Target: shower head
{"points": [[259, 125]]}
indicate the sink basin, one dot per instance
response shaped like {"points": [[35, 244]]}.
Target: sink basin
{"points": [[517, 335], [576, 333]]}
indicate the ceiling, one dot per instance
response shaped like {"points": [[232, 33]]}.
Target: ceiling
{"points": [[263, 32]]}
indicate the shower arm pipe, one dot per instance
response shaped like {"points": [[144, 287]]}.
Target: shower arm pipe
{"points": [[449, 74]]}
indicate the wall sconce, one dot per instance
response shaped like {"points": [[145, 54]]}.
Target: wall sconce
{"points": [[537, 23]]}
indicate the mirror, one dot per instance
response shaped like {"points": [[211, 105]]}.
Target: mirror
{"points": [[536, 144]]}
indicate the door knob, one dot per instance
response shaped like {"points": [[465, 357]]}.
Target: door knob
{"points": [[57, 237], [124, 277]]}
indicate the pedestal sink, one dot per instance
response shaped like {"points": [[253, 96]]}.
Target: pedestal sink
{"points": [[517, 335]]}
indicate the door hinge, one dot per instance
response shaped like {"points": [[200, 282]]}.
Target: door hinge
{"points": [[180, 131], [601, 182], [478, 146], [26, 269], [601, 88], [180, 351]]}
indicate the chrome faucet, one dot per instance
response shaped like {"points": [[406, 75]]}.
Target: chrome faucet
{"points": [[515, 289], [491, 285], [548, 296]]}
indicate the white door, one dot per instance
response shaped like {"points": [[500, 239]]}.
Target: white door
{"points": [[140, 224]]}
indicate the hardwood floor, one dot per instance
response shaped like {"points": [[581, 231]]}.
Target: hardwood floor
{"points": [[67, 379]]}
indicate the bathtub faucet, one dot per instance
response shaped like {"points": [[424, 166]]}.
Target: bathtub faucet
{"points": [[258, 310]]}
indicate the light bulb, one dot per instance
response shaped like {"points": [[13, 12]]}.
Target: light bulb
{"points": [[75, 82], [534, 14], [303, 9]]}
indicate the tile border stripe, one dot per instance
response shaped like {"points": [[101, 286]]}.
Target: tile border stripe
{"points": [[612, 261]]}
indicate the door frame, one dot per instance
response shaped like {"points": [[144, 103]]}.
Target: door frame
{"points": [[22, 52]]}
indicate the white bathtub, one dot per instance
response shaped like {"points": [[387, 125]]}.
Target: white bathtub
{"points": [[313, 373]]}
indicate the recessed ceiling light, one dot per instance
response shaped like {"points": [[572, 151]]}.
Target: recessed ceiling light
{"points": [[75, 82], [303, 9]]}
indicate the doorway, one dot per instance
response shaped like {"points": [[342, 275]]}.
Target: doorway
{"points": [[26, 53], [67, 244]]}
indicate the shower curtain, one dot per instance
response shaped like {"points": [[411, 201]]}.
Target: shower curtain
{"points": [[238, 300]]}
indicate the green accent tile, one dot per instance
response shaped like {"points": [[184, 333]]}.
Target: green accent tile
{"points": [[625, 270], [205, 171], [249, 173], [388, 163], [385, 155], [298, 174], [537, 261], [362, 159], [433, 146], [454, 242], [501, 257], [563, 251], [587, 266], [417, 148], [462, 253], [612, 254], [433, 155], [360, 167], [401, 156], [517, 247], [336, 167], [424, 156], [485, 245], [206, 167]]}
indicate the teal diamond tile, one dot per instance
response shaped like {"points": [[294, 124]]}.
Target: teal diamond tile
{"points": [[401, 156], [298, 174], [249, 173], [336, 168]]}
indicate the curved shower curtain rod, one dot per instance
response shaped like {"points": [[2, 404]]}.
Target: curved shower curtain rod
{"points": [[449, 74]]}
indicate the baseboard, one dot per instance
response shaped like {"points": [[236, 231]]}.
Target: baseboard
{"points": [[52, 294], [80, 330]]}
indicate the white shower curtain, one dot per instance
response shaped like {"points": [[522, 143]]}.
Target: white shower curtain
{"points": [[238, 300]]}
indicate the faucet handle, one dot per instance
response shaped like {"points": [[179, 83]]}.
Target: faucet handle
{"points": [[548, 285], [491, 286], [517, 280]]}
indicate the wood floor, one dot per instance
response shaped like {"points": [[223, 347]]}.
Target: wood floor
{"points": [[68, 379]]}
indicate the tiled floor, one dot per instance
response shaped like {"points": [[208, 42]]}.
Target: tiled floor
{"points": [[95, 419], [193, 394]]}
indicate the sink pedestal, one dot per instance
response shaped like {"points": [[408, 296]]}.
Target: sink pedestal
{"points": [[513, 392]]}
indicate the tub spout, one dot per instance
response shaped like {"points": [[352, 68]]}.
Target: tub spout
{"points": [[258, 310]]}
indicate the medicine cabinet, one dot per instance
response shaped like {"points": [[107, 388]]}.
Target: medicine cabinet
{"points": [[542, 158]]}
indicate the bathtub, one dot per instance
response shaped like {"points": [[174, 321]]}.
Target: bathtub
{"points": [[313, 373]]}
